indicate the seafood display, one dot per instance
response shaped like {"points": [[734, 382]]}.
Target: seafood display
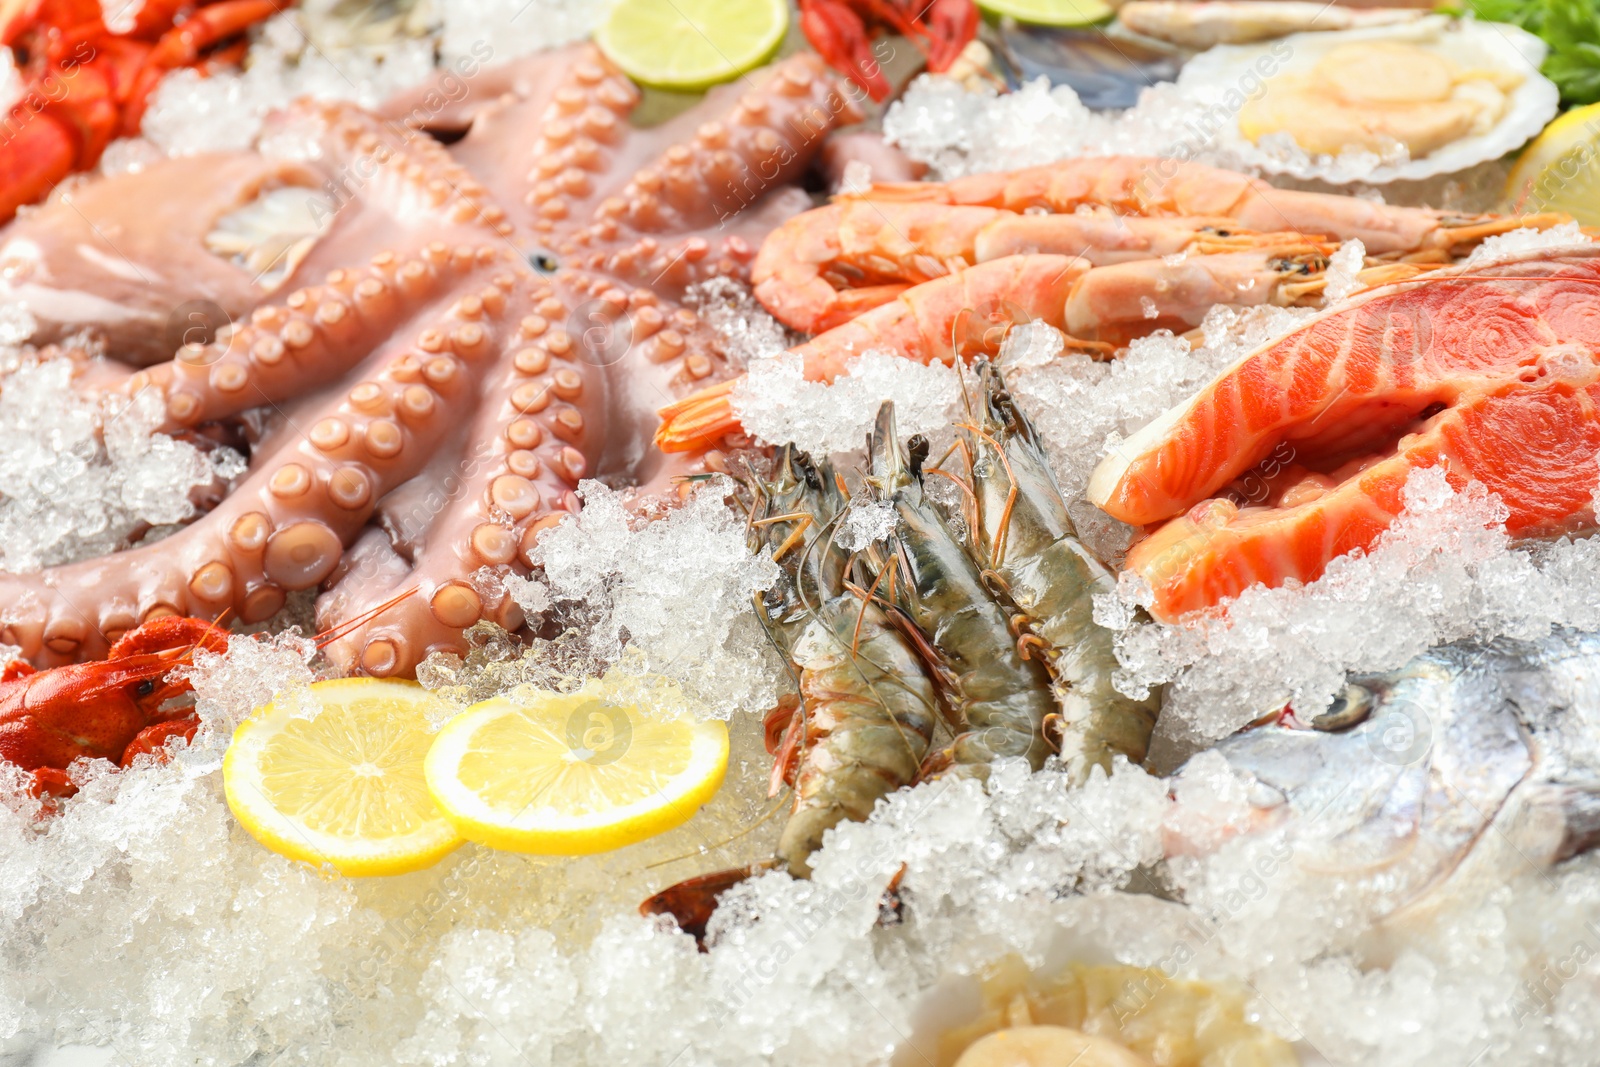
{"points": [[473, 385], [785, 531], [1486, 372]]}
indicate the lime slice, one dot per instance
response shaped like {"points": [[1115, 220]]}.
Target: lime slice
{"points": [[1051, 12], [1558, 171], [691, 44], [343, 786], [569, 774]]}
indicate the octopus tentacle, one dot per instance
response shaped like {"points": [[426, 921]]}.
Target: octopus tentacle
{"points": [[490, 504], [692, 190], [285, 526], [403, 173], [315, 336], [538, 421], [764, 142], [563, 129]]}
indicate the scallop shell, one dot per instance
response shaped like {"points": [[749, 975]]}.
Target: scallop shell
{"points": [[1220, 74]]}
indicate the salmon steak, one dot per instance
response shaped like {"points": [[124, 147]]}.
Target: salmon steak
{"points": [[1299, 452]]}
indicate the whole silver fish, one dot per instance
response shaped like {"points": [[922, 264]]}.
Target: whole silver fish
{"points": [[1442, 780]]}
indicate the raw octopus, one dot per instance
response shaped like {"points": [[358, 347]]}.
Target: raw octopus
{"points": [[434, 345]]}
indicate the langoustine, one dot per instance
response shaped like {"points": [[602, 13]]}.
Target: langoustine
{"points": [[448, 341], [1106, 250], [835, 262]]}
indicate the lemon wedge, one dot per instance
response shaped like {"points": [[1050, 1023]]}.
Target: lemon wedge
{"points": [[1558, 171], [569, 774], [691, 44], [1050, 12], [344, 785]]}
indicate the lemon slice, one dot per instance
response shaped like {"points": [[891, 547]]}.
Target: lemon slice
{"points": [[691, 44], [344, 785], [1050, 12], [569, 774], [1558, 171]]}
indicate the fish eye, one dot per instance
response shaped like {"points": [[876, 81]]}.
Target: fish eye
{"points": [[1350, 707], [543, 262]]}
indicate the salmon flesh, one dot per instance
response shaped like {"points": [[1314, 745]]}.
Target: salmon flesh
{"points": [[1299, 452]]}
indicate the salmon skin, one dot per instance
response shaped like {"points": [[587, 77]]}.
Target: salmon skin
{"points": [[1490, 373]]}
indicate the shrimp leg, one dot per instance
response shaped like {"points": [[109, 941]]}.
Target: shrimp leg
{"points": [[1003, 697], [1024, 537]]}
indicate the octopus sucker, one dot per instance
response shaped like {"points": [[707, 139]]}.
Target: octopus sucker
{"points": [[451, 340]]}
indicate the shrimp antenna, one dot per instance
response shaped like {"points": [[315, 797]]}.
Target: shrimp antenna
{"points": [[215, 624], [955, 327], [349, 626], [999, 552], [772, 810]]}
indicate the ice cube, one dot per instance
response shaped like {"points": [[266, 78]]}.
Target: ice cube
{"points": [[1344, 267]]}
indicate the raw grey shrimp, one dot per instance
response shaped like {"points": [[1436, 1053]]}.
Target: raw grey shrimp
{"points": [[867, 709], [1001, 697], [1025, 543], [866, 712]]}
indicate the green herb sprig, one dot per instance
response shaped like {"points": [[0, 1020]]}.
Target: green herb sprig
{"points": [[1570, 27]]}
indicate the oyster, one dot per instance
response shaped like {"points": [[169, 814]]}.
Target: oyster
{"points": [[1377, 104]]}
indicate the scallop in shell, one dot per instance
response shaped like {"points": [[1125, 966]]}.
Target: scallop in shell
{"points": [[1379, 104]]}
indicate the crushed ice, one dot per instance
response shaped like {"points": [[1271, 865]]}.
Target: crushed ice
{"points": [[776, 404], [1343, 276], [1515, 243], [81, 479], [322, 49], [866, 522], [676, 591], [959, 131], [745, 329]]}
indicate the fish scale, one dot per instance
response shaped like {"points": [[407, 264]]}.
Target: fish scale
{"points": [[1443, 778]]}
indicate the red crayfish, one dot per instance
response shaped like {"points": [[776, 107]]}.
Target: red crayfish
{"points": [[85, 84], [842, 30], [113, 709]]}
